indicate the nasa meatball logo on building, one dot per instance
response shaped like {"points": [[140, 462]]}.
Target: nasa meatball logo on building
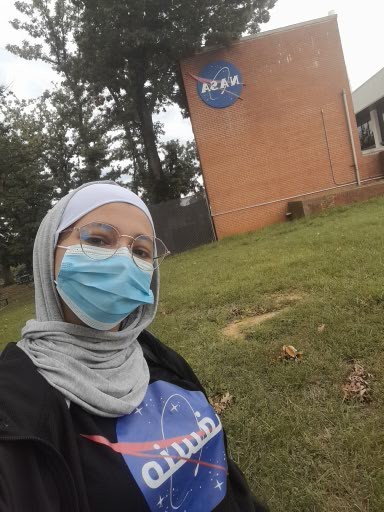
{"points": [[219, 84]]}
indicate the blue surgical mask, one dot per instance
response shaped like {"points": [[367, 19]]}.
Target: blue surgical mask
{"points": [[102, 292]]}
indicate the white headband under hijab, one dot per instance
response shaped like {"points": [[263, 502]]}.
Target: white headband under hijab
{"points": [[93, 196]]}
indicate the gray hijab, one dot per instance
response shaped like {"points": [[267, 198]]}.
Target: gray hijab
{"points": [[103, 372]]}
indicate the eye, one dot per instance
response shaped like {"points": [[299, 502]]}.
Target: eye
{"points": [[142, 253], [97, 241]]}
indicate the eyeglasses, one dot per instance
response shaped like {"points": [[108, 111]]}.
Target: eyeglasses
{"points": [[147, 251]]}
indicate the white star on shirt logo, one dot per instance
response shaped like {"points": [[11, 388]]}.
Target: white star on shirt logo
{"points": [[174, 407], [160, 502], [138, 411], [218, 485]]}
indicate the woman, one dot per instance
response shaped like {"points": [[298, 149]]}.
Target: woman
{"points": [[95, 413]]}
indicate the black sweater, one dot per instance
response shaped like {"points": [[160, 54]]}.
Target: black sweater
{"points": [[43, 455]]}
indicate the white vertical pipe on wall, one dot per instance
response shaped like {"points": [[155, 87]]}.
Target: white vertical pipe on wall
{"points": [[351, 137]]}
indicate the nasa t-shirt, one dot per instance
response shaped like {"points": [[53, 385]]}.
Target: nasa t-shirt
{"points": [[167, 455]]}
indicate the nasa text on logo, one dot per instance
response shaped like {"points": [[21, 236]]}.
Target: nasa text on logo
{"points": [[219, 84]]}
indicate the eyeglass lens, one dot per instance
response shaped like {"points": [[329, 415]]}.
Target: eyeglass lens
{"points": [[147, 252]]}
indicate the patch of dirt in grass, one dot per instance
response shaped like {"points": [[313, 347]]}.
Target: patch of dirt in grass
{"points": [[258, 315], [234, 329]]}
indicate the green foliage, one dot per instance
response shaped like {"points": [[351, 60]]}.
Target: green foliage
{"points": [[180, 171], [77, 149], [75, 138], [25, 187], [48, 146]]}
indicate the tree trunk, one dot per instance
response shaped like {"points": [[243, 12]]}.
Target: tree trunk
{"points": [[157, 192]]}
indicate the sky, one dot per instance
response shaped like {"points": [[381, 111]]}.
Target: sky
{"points": [[360, 29]]}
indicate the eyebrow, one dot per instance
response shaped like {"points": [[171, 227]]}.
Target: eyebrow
{"points": [[122, 234], [138, 234]]}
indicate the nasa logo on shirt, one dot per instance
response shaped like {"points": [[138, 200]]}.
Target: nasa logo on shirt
{"points": [[219, 84], [173, 445]]}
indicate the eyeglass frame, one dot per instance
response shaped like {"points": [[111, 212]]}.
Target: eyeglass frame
{"points": [[78, 228]]}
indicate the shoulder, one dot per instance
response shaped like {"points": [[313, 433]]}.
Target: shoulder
{"points": [[15, 363], [26, 398]]}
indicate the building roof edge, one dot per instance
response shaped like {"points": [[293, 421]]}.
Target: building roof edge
{"points": [[315, 21], [369, 79]]}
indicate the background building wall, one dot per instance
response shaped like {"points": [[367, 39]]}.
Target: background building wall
{"points": [[368, 101], [289, 134], [370, 91]]}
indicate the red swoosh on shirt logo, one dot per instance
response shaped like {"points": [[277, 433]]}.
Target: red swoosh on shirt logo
{"points": [[137, 449]]}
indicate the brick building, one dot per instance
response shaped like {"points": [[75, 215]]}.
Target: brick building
{"points": [[282, 129]]}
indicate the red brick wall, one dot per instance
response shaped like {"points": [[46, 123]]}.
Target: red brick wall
{"points": [[272, 145]]}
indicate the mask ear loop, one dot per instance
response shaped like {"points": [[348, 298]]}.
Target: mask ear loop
{"points": [[61, 247]]}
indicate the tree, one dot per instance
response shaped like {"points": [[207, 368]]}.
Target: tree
{"points": [[129, 50], [181, 171], [25, 189], [53, 24], [75, 150], [42, 157]]}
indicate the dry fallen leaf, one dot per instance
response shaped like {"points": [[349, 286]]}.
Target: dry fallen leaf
{"points": [[321, 328], [289, 353], [357, 386], [221, 402]]}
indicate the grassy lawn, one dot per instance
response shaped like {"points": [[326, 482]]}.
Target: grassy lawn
{"points": [[19, 310], [302, 447]]}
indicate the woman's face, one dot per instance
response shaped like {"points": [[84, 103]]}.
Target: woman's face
{"points": [[128, 219]]}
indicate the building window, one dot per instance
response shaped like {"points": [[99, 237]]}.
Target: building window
{"points": [[364, 125], [380, 115], [367, 138]]}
